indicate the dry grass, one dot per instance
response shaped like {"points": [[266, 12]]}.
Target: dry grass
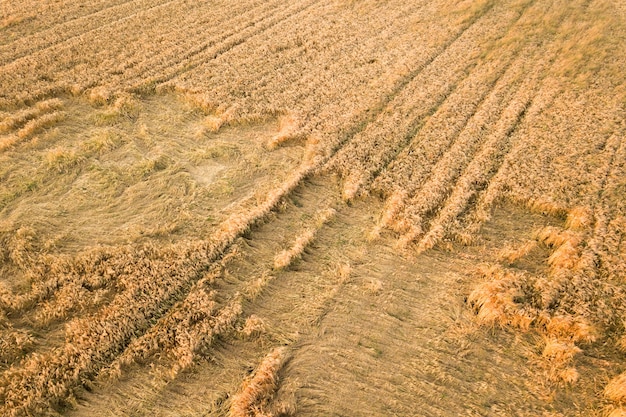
{"points": [[34, 124], [621, 344], [555, 237]]}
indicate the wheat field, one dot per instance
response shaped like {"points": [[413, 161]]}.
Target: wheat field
{"points": [[340, 208]]}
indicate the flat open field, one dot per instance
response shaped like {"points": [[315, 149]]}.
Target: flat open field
{"points": [[313, 208]]}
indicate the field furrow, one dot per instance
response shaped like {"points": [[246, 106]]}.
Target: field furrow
{"points": [[409, 169], [92, 342], [71, 27], [421, 191], [77, 74], [180, 56], [233, 293], [474, 108], [187, 38], [383, 314], [369, 148], [295, 61], [21, 21]]}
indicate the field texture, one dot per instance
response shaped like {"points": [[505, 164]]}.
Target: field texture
{"points": [[313, 208]]}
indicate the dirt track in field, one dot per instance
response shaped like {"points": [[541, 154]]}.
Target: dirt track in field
{"points": [[319, 208]]}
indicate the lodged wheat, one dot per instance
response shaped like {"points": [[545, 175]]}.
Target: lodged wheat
{"points": [[258, 389]]}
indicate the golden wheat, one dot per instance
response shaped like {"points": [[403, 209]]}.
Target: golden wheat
{"points": [[257, 390], [618, 412], [288, 256], [369, 152], [13, 343], [494, 300], [510, 255], [253, 326], [616, 389]]}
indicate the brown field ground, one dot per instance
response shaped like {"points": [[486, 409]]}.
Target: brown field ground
{"points": [[313, 208]]}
